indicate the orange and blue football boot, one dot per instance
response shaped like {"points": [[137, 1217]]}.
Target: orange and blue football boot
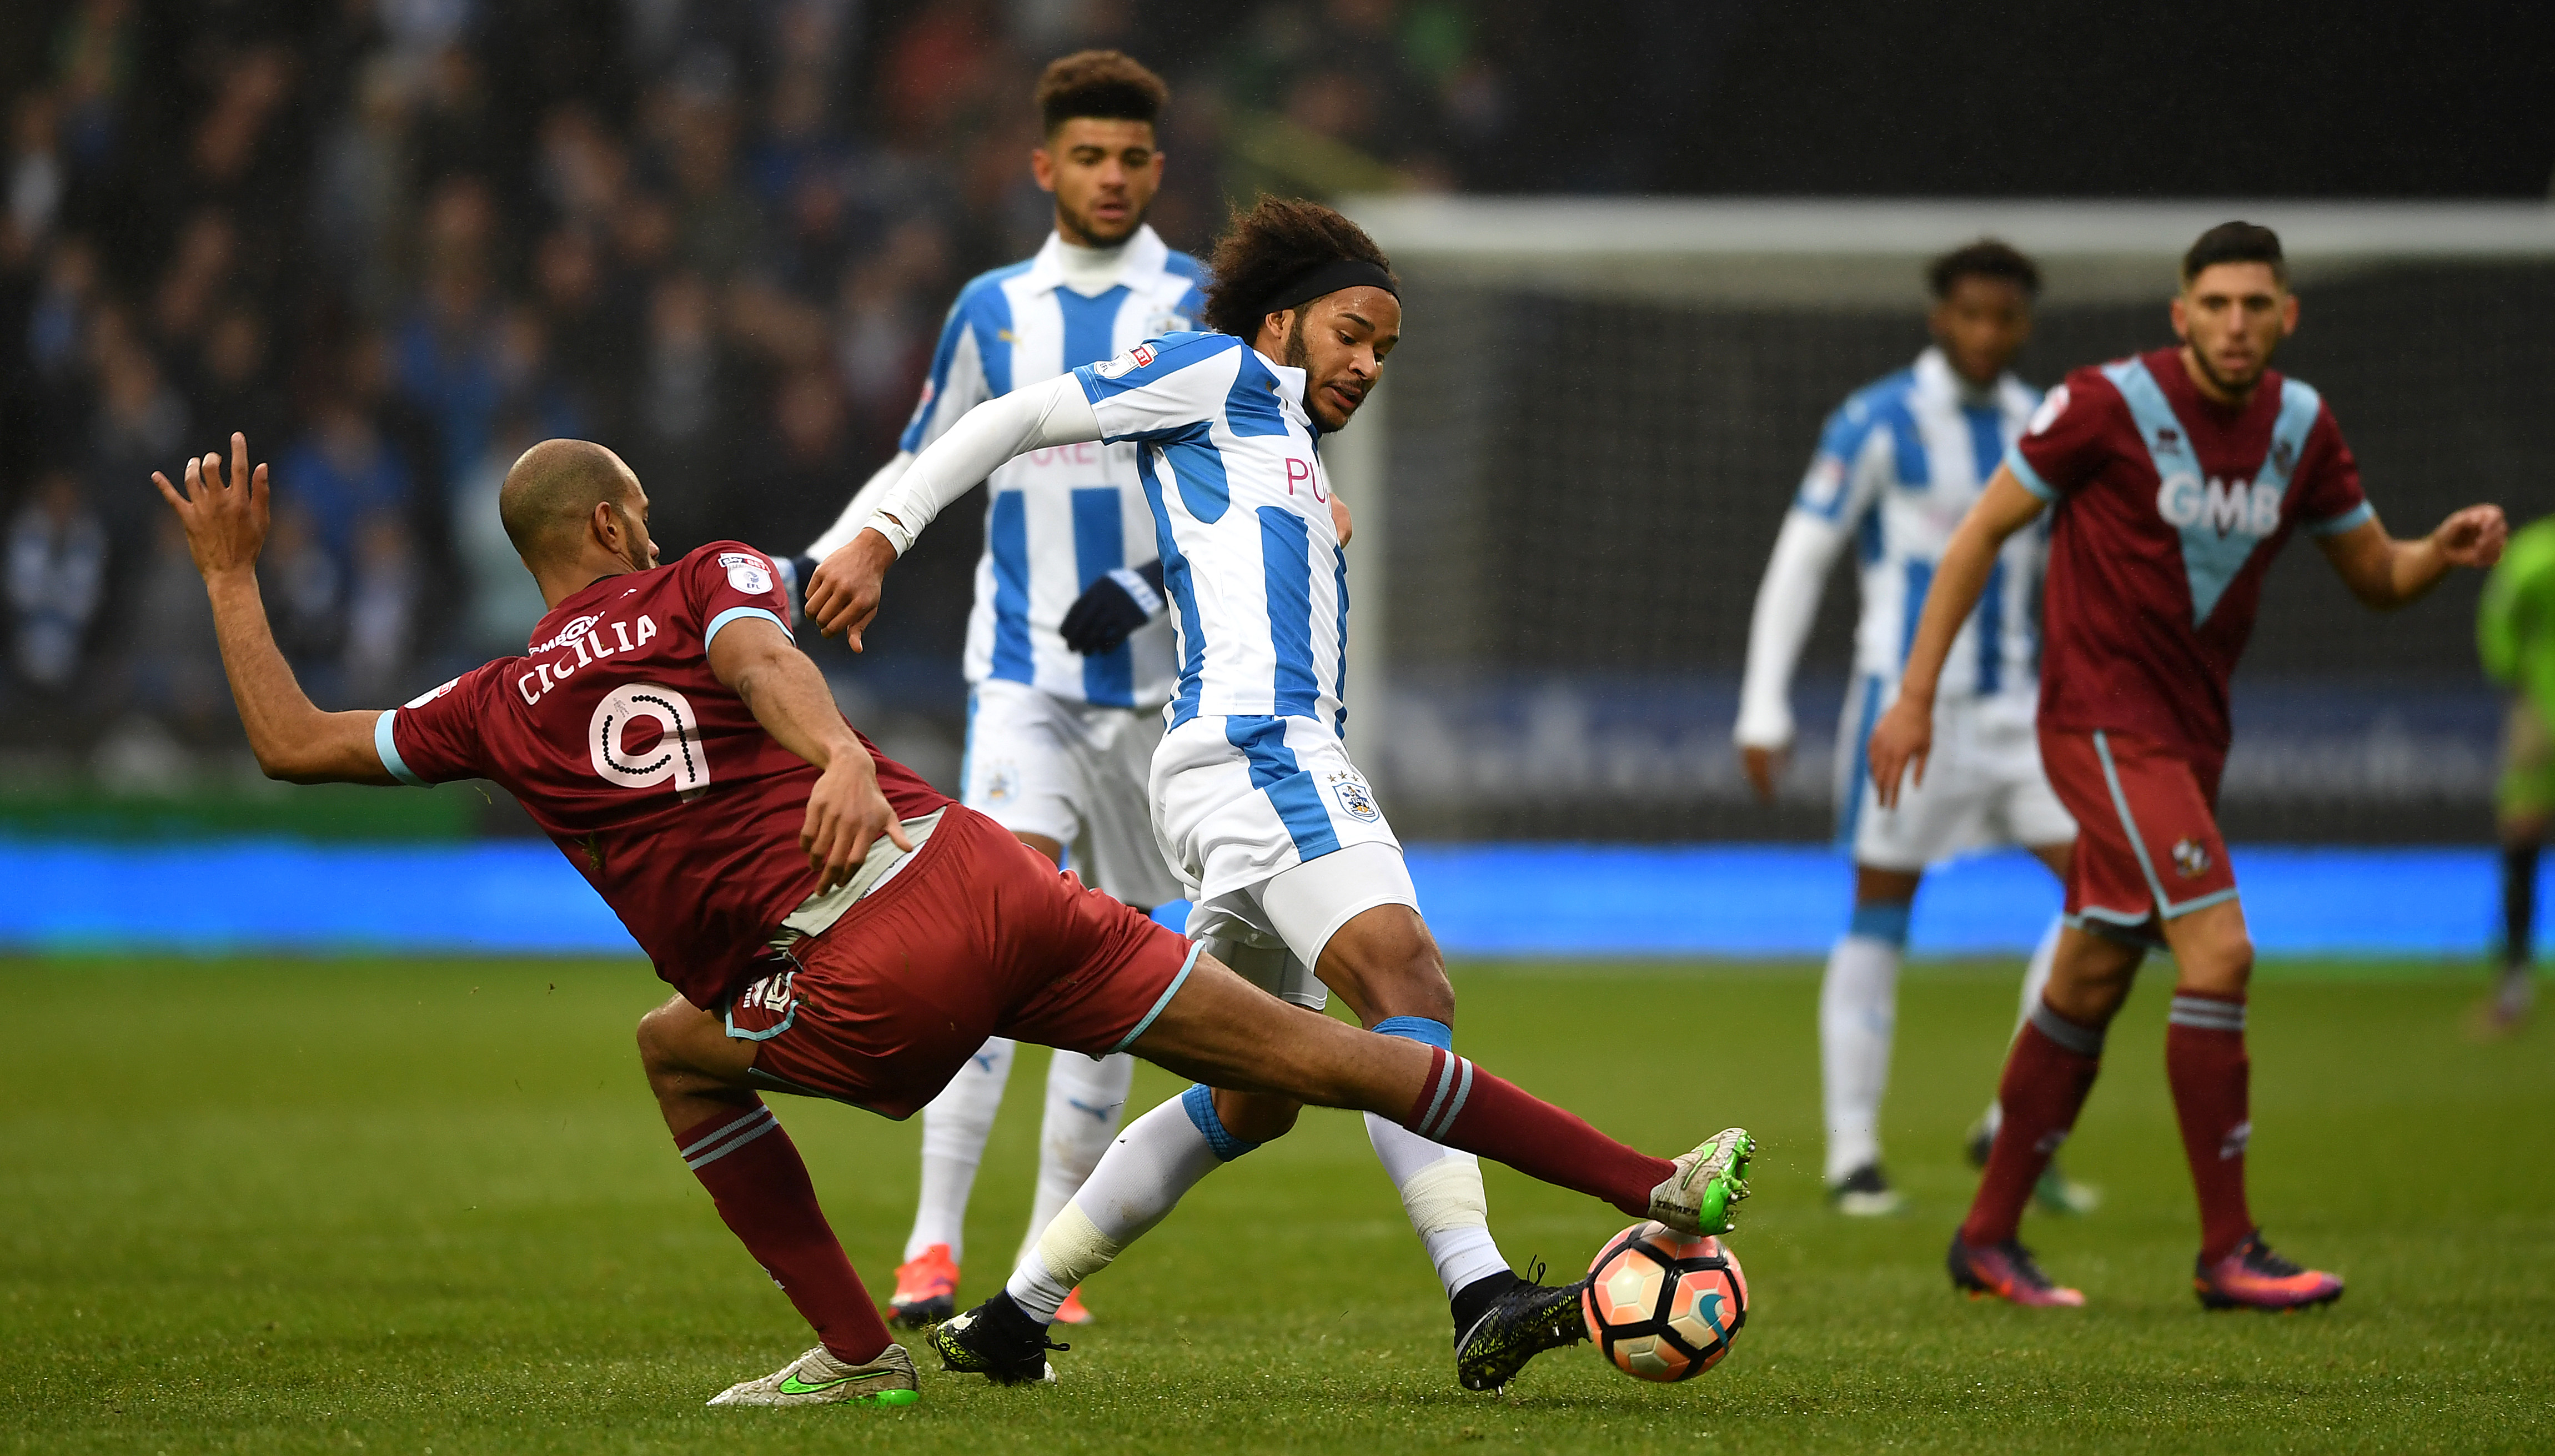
{"points": [[2007, 1271], [2254, 1277], [926, 1290]]}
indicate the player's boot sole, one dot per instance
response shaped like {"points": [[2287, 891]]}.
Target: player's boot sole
{"points": [[2210, 1298], [1520, 1324], [922, 1315], [1709, 1182]]}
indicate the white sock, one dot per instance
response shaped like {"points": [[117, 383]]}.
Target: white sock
{"points": [[1442, 1190], [1085, 1100], [1159, 1157], [2035, 979], [1857, 1012], [955, 1125]]}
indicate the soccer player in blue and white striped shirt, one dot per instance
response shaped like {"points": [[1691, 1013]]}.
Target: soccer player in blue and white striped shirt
{"points": [[1068, 658], [1298, 882], [1897, 466]]}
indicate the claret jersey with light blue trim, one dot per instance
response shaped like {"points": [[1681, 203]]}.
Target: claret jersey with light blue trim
{"points": [[1241, 503], [1057, 520], [1898, 464]]}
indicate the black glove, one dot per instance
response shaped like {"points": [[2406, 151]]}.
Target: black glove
{"points": [[1115, 605]]}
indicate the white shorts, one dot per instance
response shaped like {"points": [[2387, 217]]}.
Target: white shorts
{"points": [[1277, 839], [1984, 786], [1074, 773]]}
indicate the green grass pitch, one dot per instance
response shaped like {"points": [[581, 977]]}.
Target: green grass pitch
{"points": [[405, 1206]]}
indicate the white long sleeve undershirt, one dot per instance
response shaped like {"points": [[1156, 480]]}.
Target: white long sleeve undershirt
{"points": [[1788, 602], [865, 501], [1044, 415]]}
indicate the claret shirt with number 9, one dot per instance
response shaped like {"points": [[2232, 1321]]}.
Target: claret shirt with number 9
{"points": [[2169, 507], [648, 774]]}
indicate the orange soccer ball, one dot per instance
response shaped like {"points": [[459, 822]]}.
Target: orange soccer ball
{"points": [[1663, 1306]]}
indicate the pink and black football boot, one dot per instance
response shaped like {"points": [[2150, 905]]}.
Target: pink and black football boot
{"points": [[2254, 1277], [926, 1290], [2007, 1271]]}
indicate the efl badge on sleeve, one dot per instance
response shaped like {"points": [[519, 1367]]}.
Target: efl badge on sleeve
{"points": [[1126, 363], [749, 575]]}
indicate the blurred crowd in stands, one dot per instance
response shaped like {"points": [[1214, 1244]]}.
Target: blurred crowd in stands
{"points": [[395, 241]]}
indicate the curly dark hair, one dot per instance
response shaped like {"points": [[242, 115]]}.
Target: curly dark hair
{"points": [[1278, 239], [1110, 85], [1985, 258]]}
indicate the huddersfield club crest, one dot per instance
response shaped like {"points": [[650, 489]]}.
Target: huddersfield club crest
{"points": [[1356, 799]]}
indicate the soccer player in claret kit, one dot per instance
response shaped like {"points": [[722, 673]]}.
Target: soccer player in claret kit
{"points": [[1068, 659], [1297, 879], [831, 926], [2173, 479]]}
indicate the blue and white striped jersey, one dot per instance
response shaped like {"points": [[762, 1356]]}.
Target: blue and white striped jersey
{"points": [[1899, 465], [1241, 501], [1057, 519]]}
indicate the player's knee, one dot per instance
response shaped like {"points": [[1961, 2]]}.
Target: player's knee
{"points": [[1394, 965], [2091, 977], [661, 1037], [1255, 1116]]}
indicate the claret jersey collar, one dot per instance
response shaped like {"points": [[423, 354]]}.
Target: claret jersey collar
{"points": [[1091, 272]]}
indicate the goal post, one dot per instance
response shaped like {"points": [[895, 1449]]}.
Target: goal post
{"points": [[1564, 499]]}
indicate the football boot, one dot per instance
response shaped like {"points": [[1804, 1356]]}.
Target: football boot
{"points": [[1522, 1321], [926, 1290], [2254, 1277], [1866, 1193], [2007, 1271], [818, 1379], [1073, 1311], [997, 1340], [1708, 1183]]}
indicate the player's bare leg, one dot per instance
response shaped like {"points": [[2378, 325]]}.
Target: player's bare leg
{"points": [[739, 1151], [1224, 1032], [2055, 1192]]}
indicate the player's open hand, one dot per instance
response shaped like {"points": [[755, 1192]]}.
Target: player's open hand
{"points": [[225, 521], [2472, 537], [1900, 743], [847, 814], [1764, 768], [843, 594]]}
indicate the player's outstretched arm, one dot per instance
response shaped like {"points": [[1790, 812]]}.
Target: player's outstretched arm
{"points": [[843, 595], [225, 525], [846, 812], [1904, 736], [2386, 573]]}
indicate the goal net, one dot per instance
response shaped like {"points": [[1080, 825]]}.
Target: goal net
{"points": [[1566, 495]]}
